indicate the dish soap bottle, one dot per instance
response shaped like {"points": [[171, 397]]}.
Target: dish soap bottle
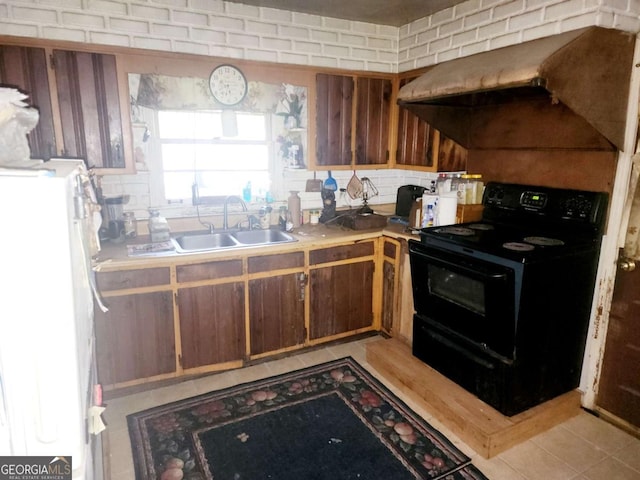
{"points": [[158, 227]]}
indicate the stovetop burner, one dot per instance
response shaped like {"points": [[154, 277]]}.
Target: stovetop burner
{"points": [[461, 231], [518, 246], [544, 241], [481, 226]]}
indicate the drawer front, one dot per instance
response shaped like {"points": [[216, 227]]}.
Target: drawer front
{"points": [[279, 261], [342, 252], [125, 279], [209, 270]]}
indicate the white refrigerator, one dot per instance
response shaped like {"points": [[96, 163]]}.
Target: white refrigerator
{"points": [[47, 368]]}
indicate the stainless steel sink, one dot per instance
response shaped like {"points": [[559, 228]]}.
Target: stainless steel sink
{"points": [[203, 242], [259, 237]]}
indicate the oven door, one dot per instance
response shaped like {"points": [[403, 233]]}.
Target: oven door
{"points": [[474, 299]]}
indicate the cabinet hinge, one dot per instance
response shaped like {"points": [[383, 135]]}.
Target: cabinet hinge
{"points": [[387, 155], [52, 61], [180, 360]]}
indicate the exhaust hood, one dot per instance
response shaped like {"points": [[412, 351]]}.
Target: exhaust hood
{"points": [[564, 91]]}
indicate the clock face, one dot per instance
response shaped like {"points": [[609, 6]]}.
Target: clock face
{"points": [[228, 85]]}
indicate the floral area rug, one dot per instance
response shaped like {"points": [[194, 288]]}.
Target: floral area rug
{"points": [[333, 421]]}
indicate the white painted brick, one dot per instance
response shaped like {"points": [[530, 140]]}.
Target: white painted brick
{"points": [[541, 31], [277, 44], [4, 11], [494, 29], [150, 13], [364, 54], [39, 15], [324, 36], [75, 4], [362, 27], [81, 20], [382, 43], [207, 35], [293, 58], [242, 10], [261, 28], [606, 19], [214, 6], [505, 40], [578, 21], [508, 9], [308, 47], [442, 16], [427, 36], [55, 33], [476, 19], [152, 43], [329, 62], [448, 55], [389, 57], [226, 51], [337, 23], [272, 14], [450, 27], [171, 3], [533, 4], [439, 45], [132, 26], [425, 61], [464, 38], [627, 22], [190, 47], [465, 8], [243, 40], [352, 40], [381, 67], [406, 66], [403, 31], [408, 42], [419, 25], [109, 39], [226, 23], [388, 31], [474, 48], [620, 5], [336, 51], [350, 64], [170, 31], [293, 32], [564, 9], [190, 18], [105, 6], [520, 22], [490, 3], [306, 19], [17, 29]]}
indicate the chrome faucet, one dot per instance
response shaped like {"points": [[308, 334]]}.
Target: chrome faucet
{"points": [[225, 218]]}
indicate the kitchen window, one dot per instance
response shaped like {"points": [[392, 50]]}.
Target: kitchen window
{"points": [[195, 150]]}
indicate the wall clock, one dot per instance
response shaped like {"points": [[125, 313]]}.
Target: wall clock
{"points": [[228, 85]]}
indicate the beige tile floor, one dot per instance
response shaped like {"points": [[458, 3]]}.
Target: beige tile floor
{"points": [[582, 448]]}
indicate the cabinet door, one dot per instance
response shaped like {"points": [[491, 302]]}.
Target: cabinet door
{"points": [[276, 312], [341, 298], [372, 121], [25, 68], [390, 258], [416, 139], [87, 86], [452, 157], [135, 338], [211, 324], [334, 108]]}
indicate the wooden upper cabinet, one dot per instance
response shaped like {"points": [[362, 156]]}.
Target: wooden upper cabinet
{"points": [[334, 107], [25, 68], [417, 141], [87, 87], [452, 157], [372, 121]]}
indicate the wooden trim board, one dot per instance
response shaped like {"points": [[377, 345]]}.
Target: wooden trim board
{"points": [[479, 425]]}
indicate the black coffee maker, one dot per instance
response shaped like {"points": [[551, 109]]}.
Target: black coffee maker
{"points": [[113, 218], [328, 205]]}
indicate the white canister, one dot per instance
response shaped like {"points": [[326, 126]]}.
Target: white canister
{"points": [[447, 209]]}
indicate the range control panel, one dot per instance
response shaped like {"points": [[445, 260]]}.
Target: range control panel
{"points": [[550, 204]]}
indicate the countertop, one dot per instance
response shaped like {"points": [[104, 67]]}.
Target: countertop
{"points": [[114, 256]]}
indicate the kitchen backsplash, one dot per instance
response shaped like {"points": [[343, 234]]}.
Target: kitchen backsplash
{"points": [[386, 182]]}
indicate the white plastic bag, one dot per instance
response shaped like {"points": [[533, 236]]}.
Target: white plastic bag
{"points": [[17, 119]]}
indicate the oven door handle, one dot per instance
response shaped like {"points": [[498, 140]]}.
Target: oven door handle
{"points": [[459, 349]]}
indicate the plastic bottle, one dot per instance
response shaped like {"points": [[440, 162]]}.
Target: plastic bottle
{"points": [[293, 204], [246, 192], [430, 216], [479, 187], [130, 225], [158, 227]]}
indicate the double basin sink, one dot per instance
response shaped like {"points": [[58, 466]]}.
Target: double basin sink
{"points": [[203, 242]]}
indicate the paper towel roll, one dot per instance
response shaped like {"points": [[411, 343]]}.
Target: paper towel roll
{"points": [[446, 209]]}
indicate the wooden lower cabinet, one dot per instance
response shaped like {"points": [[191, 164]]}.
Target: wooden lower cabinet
{"points": [[276, 312], [341, 298], [135, 338], [211, 324], [390, 263]]}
